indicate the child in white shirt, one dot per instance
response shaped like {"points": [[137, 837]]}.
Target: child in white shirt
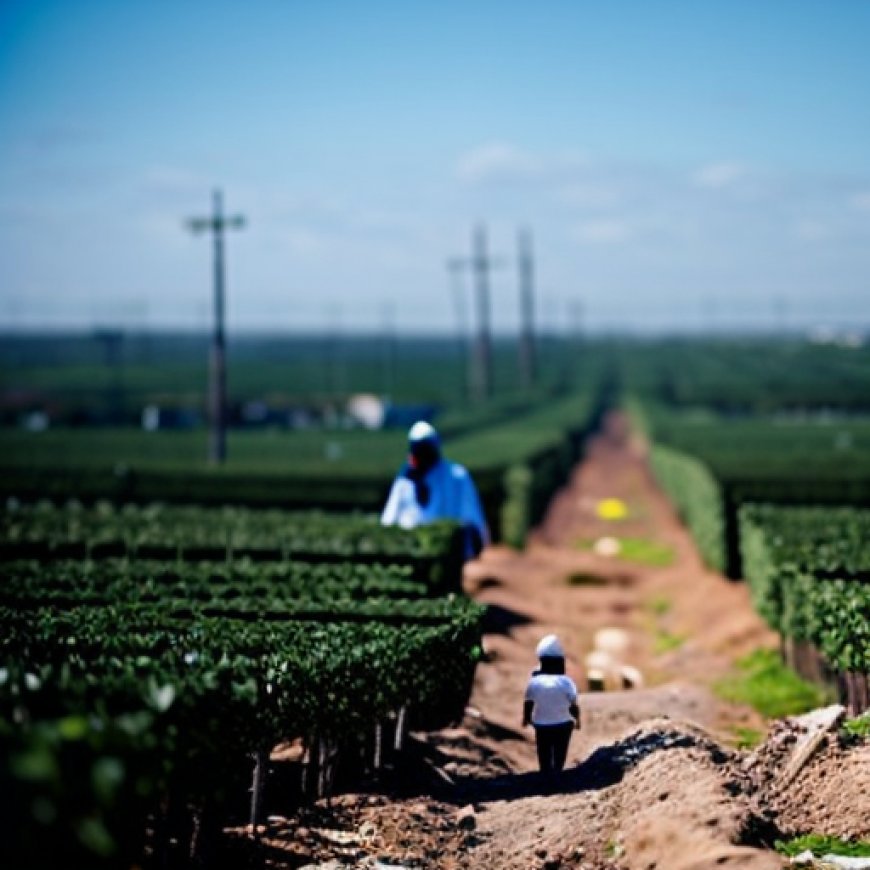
{"points": [[551, 706]]}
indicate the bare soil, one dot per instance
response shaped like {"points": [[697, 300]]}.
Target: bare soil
{"points": [[653, 779]]}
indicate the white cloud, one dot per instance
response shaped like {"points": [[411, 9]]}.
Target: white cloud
{"points": [[602, 231], [496, 160], [504, 161], [717, 176]]}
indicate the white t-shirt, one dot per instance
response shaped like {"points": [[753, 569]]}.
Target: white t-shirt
{"points": [[552, 695], [453, 496]]}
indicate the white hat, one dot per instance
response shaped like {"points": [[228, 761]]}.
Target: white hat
{"points": [[422, 431], [549, 647]]}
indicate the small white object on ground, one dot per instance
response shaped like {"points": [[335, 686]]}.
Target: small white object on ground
{"points": [[845, 862], [607, 546], [612, 640], [599, 660], [632, 678]]}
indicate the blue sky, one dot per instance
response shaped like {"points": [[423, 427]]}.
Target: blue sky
{"points": [[681, 164]]}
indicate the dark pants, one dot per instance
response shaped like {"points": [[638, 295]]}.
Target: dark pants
{"points": [[552, 743]]}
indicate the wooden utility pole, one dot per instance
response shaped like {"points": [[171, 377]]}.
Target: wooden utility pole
{"points": [[389, 350], [217, 388], [480, 265], [527, 350], [480, 362], [455, 267], [112, 341]]}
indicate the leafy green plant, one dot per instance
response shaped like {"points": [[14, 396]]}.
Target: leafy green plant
{"points": [[807, 569], [859, 727], [765, 683], [821, 844]]}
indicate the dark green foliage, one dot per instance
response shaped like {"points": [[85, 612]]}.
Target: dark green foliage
{"points": [[808, 569], [117, 703], [697, 496], [517, 459], [45, 531]]}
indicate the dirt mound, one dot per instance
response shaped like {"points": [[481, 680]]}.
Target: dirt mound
{"points": [[666, 794], [829, 795], [662, 796]]}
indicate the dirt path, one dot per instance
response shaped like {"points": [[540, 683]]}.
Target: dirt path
{"points": [[686, 624], [651, 780]]}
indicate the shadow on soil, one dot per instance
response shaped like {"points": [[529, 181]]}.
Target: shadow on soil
{"points": [[500, 620], [605, 767], [488, 583]]}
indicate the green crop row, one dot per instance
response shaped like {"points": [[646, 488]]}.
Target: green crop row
{"points": [[166, 532], [697, 496], [785, 459], [747, 375], [533, 436], [143, 703], [144, 581], [775, 460], [226, 528], [808, 570], [257, 682]]}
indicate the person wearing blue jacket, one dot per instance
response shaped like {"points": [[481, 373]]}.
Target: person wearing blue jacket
{"points": [[430, 487]]}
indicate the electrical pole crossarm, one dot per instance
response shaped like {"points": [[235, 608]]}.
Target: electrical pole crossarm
{"points": [[203, 225]]}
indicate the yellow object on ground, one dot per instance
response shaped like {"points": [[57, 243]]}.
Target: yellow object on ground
{"points": [[612, 509]]}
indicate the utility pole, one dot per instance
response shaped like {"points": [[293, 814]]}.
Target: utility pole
{"points": [[389, 350], [527, 355], [455, 267], [334, 353], [112, 341], [480, 264], [481, 357], [217, 389]]}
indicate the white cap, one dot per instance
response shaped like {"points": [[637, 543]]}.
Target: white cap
{"points": [[549, 647], [422, 431]]}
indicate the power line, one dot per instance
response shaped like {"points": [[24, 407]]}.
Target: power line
{"points": [[217, 391]]}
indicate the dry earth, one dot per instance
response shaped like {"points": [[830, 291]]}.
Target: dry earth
{"points": [[652, 779]]}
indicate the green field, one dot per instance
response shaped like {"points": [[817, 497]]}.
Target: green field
{"points": [[164, 623]]}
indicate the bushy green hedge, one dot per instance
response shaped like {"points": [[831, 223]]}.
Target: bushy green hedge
{"points": [[809, 571], [106, 709], [698, 498]]}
